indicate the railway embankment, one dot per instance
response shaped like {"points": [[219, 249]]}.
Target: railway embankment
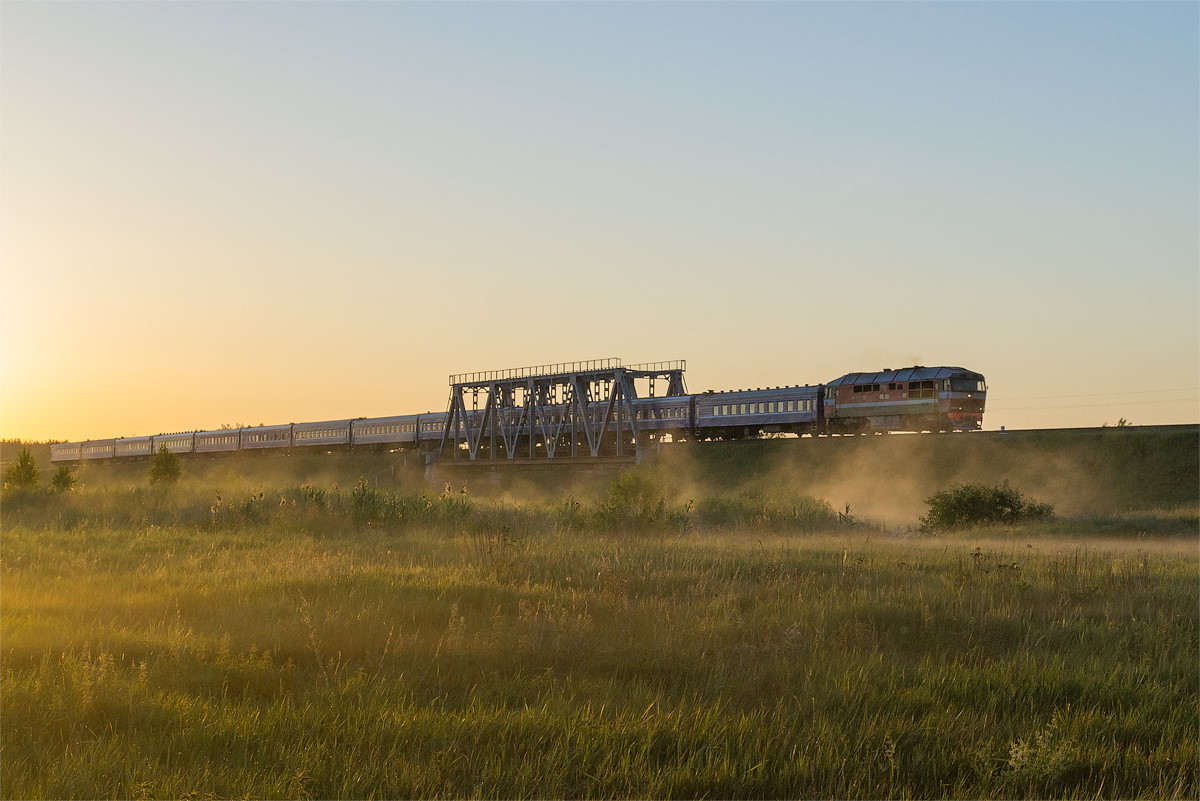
{"points": [[1079, 471]]}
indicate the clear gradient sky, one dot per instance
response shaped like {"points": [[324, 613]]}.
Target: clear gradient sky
{"points": [[277, 212]]}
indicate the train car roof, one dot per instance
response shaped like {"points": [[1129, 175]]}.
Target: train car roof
{"points": [[907, 374], [657, 398], [792, 388]]}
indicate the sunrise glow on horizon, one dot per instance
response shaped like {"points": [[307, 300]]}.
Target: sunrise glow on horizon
{"points": [[220, 213]]}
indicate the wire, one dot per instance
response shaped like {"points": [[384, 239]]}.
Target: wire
{"points": [[1104, 394], [1092, 405]]}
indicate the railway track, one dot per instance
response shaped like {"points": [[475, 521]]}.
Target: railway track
{"points": [[1092, 430]]}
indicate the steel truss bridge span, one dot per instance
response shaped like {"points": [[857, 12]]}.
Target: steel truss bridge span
{"points": [[574, 409]]}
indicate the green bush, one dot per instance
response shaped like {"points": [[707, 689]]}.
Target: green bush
{"points": [[166, 468], [634, 498], [23, 473], [64, 480], [979, 504]]}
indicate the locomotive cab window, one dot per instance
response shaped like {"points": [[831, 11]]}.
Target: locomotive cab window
{"points": [[965, 385]]}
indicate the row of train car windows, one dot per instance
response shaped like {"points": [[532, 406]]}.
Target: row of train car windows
{"points": [[407, 428], [329, 432], [272, 437], [129, 447], [225, 440], [663, 414], [595, 415], [773, 407]]}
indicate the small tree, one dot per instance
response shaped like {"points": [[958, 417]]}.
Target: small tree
{"points": [[23, 473], [165, 469], [64, 480]]}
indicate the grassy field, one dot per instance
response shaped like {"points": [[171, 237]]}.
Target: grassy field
{"points": [[350, 642]]}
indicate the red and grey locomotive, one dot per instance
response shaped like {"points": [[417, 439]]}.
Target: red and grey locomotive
{"points": [[912, 399]]}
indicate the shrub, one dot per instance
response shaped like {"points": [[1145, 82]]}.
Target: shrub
{"points": [[977, 504], [23, 473], [634, 492], [64, 480], [165, 469], [635, 498]]}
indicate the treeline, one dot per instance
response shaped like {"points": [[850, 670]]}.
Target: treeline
{"points": [[10, 449]]}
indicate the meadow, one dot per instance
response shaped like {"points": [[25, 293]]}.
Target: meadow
{"points": [[316, 641]]}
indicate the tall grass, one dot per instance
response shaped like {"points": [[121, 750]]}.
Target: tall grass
{"points": [[314, 642]]}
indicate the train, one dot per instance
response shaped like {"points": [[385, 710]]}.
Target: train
{"points": [[914, 399]]}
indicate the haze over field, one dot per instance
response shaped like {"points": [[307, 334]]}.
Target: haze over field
{"points": [[270, 212]]}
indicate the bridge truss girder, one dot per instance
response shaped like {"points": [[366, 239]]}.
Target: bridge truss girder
{"points": [[576, 410]]}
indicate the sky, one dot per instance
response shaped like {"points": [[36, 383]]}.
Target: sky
{"points": [[271, 212]]}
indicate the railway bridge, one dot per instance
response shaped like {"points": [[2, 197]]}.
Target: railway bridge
{"points": [[571, 412]]}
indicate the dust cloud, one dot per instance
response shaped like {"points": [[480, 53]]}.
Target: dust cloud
{"points": [[887, 478], [884, 479]]}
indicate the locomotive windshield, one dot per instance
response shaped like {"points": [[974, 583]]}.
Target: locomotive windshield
{"points": [[966, 385]]}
